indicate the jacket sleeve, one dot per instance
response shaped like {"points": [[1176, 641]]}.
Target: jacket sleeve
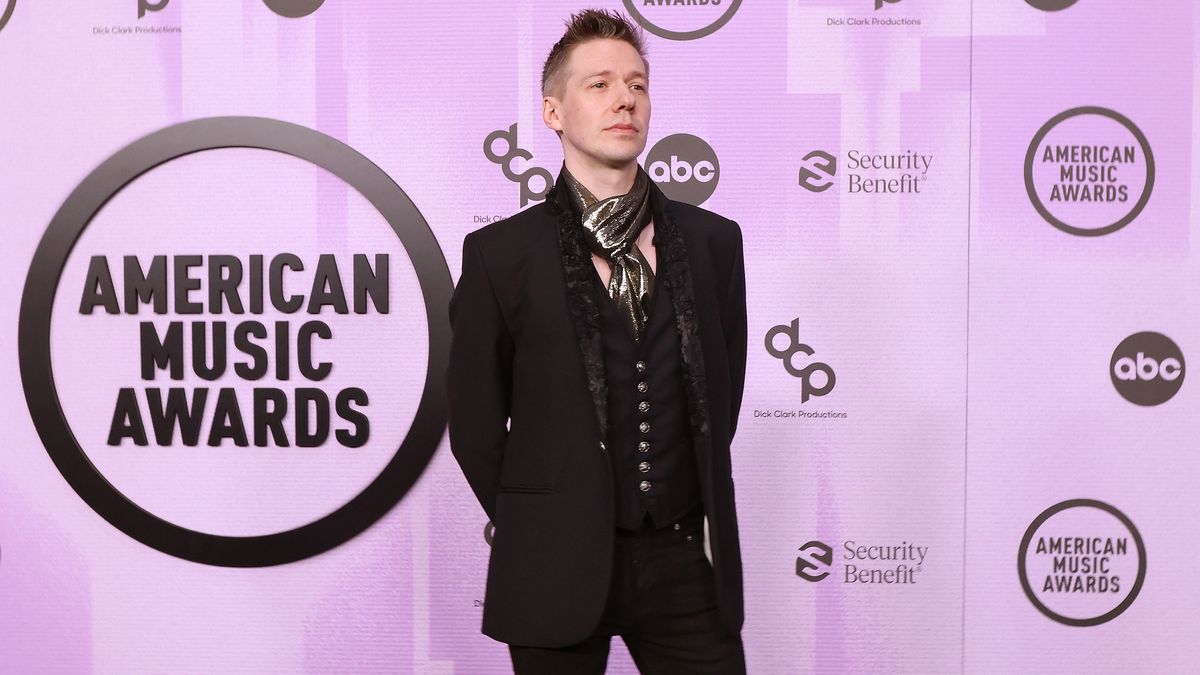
{"points": [[479, 378], [735, 329]]}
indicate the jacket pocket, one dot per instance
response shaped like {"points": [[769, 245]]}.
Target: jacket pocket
{"points": [[525, 489]]}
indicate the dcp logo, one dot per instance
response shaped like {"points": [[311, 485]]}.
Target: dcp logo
{"points": [[685, 167], [807, 389], [1147, 368], [817, 170], [881, 3], [150, 6], [506, 160], [814, 560]]}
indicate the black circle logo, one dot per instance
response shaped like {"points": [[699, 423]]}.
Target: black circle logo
{"points": [[8, 10], [1090, 172], [1147, 368], [41, 286], [293, 9], [685, 167], [696, 34], [1051, 5], [1078, 557]]}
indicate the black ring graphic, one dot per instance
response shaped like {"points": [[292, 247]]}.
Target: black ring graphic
{"points": [[682, 34], [8, 11], [1031, 156], [1069, 504], [37, 301]]}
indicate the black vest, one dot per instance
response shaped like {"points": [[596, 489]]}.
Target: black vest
{"points": [[650, 441]]}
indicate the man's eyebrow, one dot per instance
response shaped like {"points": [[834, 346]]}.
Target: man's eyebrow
{"points": [[636, 73]]}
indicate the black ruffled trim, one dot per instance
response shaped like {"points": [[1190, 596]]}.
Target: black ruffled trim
{"points": [[583, 298], [677, 274], [583, 302]]}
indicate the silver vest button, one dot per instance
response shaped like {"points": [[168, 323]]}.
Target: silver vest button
{"points": [[644, 406], [644, 467], [640, 366], [642, 387], [643, 446], [644, 427], [644, 486]]}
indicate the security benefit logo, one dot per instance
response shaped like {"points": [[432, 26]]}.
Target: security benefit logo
{"points": [[232, 340], [682, 19], [862, 563], [685, 167], [535, 181], [1081, 562], [1147, 368], [1089, 171], [865, 173]]}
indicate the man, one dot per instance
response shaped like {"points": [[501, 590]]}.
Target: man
{"points": [[596, 372]]}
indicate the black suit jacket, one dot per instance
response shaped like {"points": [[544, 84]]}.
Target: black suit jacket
{"points": [[528, 406]]}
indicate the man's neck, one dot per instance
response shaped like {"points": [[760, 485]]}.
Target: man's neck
{"points": [[603, 181]]}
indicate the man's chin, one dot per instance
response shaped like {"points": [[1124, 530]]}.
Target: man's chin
{"points": [[620, 159]]}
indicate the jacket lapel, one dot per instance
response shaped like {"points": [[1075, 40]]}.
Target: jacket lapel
{"points": [[583, 299], [676, 273]]}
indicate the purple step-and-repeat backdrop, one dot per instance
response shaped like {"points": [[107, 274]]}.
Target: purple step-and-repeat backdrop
{"points": [[967, 442]]}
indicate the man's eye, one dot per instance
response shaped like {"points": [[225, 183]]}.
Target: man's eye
{"points": [[598, 84], [640, 86]]}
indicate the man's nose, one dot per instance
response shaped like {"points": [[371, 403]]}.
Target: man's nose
{"points": [[625, 99]]}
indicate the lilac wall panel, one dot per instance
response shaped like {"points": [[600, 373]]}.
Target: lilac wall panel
{"points": [[967, 231]]}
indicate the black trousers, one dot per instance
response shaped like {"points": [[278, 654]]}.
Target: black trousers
{"points": [[662, 602]]}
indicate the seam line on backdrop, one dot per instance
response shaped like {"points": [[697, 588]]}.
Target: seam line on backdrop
{"points": [[967, 369]]}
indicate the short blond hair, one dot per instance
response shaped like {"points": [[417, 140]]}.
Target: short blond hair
{"points": [[590, 24]]}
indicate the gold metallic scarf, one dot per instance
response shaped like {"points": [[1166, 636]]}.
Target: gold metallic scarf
{"points": [[611, 227]]}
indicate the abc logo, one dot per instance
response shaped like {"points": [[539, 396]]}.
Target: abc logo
{"points": [[293, 9], [685, 167], [680, 171], [1051, 5], [1147, 368], [505, 161], [814, 560], [792, 331]]}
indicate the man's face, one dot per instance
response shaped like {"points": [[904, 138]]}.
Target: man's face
{"points": [[602, 105]]}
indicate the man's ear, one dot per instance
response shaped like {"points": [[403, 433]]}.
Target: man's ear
{"points": [[550, 108]]}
